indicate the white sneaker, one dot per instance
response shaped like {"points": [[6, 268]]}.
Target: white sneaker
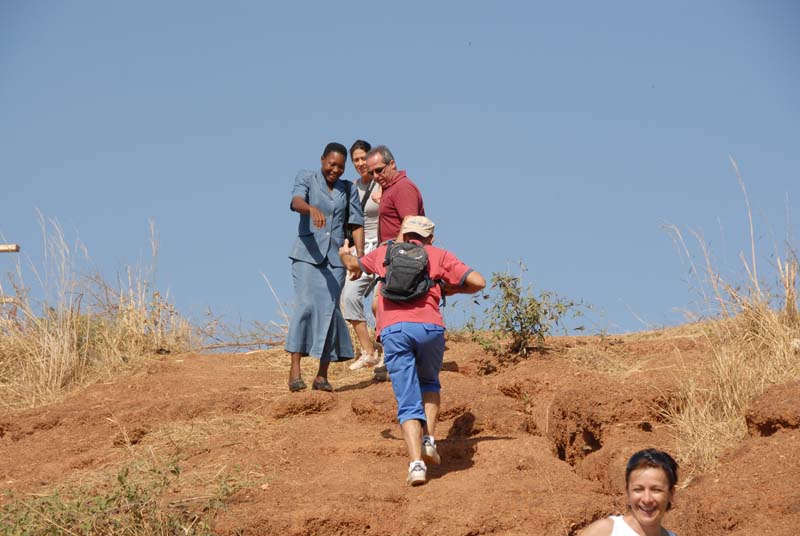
{"points": [[417, 473], [366, 360], [429, 453]]}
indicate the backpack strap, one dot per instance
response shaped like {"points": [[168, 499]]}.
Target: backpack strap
{"points": [[386, 259], [371, 286], [367, 194], [439, 282]]}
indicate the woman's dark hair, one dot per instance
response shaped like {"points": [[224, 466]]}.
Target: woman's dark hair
{"points": [[334, 147], [653, 458], [359, 144]]}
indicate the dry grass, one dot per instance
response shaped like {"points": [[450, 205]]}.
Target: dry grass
{"points": [[753, 345], [81, 328], [750, 351], [144, 496], [614, 361], [623, 355]]}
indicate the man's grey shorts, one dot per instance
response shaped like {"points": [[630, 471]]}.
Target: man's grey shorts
{"points": [[352, 300]]}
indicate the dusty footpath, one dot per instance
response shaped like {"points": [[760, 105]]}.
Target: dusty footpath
{"points": [[537, 447]]}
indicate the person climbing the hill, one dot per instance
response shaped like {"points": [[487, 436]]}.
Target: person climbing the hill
{"points": [[317, 327], [354, 292], [412, 331], [400, 198], [650, 479]]}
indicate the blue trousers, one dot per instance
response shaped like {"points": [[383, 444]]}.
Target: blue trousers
{"points": [[413, 352]]}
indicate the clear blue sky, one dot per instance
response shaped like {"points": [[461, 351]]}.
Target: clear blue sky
{"points": [[561, 133]]}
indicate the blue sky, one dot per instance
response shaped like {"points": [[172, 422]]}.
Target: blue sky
{"points": [[563, 134]]}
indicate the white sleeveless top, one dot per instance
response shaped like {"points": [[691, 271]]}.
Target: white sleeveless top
{"points": [[623, 529], [370, 213]]}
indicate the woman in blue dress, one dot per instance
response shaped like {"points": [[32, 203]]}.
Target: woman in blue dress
{"points": [[317, 328]]}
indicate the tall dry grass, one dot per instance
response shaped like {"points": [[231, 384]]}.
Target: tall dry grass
{"points": [[79, 327], [755, 342]]}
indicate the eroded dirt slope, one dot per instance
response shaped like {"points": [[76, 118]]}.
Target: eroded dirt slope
{"points": [[534, 448]]}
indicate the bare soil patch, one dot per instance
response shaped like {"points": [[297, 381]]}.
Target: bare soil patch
{"points": [[533, 448]]}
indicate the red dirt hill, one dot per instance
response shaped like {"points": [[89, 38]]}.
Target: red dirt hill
{"points": [[533, 448]]}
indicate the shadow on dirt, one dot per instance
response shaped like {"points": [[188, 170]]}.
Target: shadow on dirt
{"points": [[457, 454], [457, 449], [360, 385], [450, 366]]}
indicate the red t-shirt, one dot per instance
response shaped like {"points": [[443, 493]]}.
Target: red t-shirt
{"points": [[398, 200], [441, 265]]}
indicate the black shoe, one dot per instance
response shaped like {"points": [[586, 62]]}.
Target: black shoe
{"points": [[381, 374], [297, 385], [324, 385]]}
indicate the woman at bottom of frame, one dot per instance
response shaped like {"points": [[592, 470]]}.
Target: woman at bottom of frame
{"points": [[650, 478]]}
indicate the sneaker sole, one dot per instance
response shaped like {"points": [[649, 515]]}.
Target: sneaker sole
{"points": [[436, 459], [416, 481]]}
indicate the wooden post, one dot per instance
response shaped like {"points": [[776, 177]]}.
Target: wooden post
{"points": [[8, 248]]}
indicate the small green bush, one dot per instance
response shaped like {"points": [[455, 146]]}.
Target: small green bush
{"points": [[516, 320]]}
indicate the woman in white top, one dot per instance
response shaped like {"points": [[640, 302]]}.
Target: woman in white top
{"points": [[352, 300], [650, 479]]}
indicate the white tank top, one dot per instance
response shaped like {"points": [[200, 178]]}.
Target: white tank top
{"points": [[623, 529], [370, 212]]}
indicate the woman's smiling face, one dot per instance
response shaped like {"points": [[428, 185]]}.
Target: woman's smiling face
{"points": [[333, 166], [359, 159], [649, 495]]}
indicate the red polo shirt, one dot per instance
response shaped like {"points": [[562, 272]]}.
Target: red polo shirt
{"points": [[441, 265], [399, 199]]}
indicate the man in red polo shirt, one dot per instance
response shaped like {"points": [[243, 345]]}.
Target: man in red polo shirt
{"points": [[399, 197], [412, 333]]}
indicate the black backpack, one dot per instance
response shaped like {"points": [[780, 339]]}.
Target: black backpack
{"points": [[407, 275]]}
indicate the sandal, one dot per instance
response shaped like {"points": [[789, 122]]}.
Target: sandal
{"points": [[324, 385], [297, 385]]}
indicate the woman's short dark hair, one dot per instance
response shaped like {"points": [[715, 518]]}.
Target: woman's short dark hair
{"points": [[334, 147], [360, 144], [653, 458]]}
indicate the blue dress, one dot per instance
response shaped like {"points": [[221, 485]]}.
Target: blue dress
{"points": [[317, 327]]}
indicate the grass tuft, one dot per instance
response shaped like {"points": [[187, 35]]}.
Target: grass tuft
{"points": [[80, 327], [138, 500], [752, 340]]}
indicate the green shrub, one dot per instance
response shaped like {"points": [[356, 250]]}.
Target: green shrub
{"points": [[516, 320]]}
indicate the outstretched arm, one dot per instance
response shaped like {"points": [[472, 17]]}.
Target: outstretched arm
{"points": [[349, 260], [472, 284]]}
